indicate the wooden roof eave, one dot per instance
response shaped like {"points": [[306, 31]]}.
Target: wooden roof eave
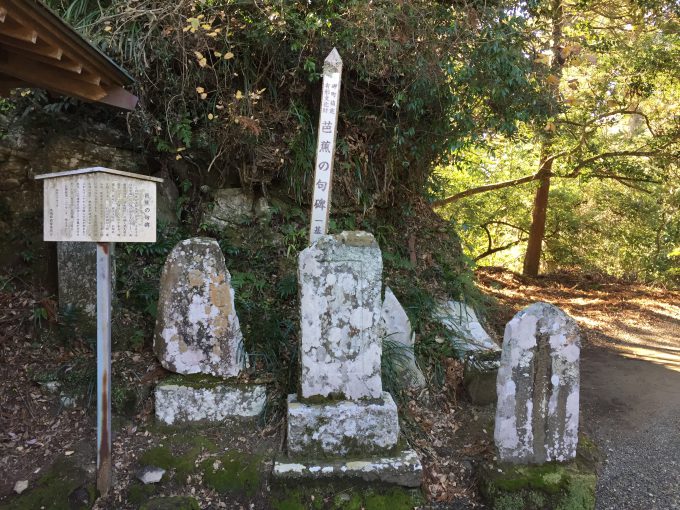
{"points": [[39, 50]]}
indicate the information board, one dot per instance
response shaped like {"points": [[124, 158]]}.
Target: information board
{"points": [[99, 207]]}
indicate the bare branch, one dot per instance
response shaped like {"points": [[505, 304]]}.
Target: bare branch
{"points": [[491, 251]]}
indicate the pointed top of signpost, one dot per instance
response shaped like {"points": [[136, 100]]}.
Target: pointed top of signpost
{"points": [[333, 57]]}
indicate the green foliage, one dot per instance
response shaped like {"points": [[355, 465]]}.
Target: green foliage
{"points": [[609, 131], [235, 85]]}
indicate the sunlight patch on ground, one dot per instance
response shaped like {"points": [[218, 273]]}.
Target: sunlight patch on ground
{"points": [[668, 360]]}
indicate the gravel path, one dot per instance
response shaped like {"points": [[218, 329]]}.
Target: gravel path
{"points": [[631, 407]]}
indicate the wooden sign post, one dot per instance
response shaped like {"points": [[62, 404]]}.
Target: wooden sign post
{"points": [[325, 148], [103, 206]]}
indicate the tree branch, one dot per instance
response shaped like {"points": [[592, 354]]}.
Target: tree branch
{"points": [[617, 154], [491, 251]]}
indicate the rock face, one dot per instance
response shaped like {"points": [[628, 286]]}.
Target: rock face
{"points": [[398, 340], [462, 320], [197, 330], [77, 269], [340, 280], [538, 387], [231, 206]]}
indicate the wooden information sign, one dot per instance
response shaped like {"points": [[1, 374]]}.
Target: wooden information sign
{"points": [[103, 206], [325, 149]]}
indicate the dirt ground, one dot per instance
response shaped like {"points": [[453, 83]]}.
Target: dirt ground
{"points": [[630, 403]]}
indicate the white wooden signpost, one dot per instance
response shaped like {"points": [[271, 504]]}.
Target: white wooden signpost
{"points": [[325, 148], [103, 206]]}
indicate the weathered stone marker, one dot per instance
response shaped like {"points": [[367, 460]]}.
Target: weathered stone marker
{"points": [[197, 330], [102, 206], [325, 148], [341, 408], [340, 282], [538, 387]]}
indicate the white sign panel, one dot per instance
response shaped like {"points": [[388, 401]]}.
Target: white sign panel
{"points": [[99, 206], [325, 149]]}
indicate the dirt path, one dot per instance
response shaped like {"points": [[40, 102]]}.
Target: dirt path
{"points": [[630, 379]]}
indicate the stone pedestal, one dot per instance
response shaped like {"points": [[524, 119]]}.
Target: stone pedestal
{"points": [[342, 428], [181, 401], [341, 412]]}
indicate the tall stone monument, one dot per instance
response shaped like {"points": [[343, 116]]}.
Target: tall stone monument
{"points": [[341, 409], [538, 387]]}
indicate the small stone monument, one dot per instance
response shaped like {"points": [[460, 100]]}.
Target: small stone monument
{"points": [[198, 332], [341, 409], [538, 387]]}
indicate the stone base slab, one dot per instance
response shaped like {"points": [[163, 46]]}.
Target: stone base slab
{"points": [[403, 468], [340, 428], [178, 403]]}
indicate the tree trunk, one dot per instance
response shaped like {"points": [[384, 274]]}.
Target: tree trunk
{"points": [[532, 259]]}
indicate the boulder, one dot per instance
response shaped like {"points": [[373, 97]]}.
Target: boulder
{"points": [[398, 340], [197, 330], [231, 206], [469, 333]]}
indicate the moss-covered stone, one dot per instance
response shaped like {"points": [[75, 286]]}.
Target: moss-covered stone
{"points": [[64, 486], [172, 503], [232, 472], [567, 486]]}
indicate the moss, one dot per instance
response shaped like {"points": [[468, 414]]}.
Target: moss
{"points": [[159, 456], [318, 497], [183, 464], [569, 486], [193, 381], [139, 493], [172, 503], [395, 499], [64, 487], [234, 471]]}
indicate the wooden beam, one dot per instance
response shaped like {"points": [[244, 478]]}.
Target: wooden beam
{"points": [[3, 14], [118, 96], [39, 47], [49, 78], [64, 63], [17, 31]]}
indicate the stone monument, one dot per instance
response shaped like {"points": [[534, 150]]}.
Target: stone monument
{"points": [[341, 409], [538, 387], [198, 332]]}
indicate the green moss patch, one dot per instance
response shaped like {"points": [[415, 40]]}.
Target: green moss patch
{"points": [[181, 460], [193, 381], [232, 472], [328, 497], [64, 486], [568, 486], [172, 503]]}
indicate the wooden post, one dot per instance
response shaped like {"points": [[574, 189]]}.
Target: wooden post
{"points": [[325, 148]]}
